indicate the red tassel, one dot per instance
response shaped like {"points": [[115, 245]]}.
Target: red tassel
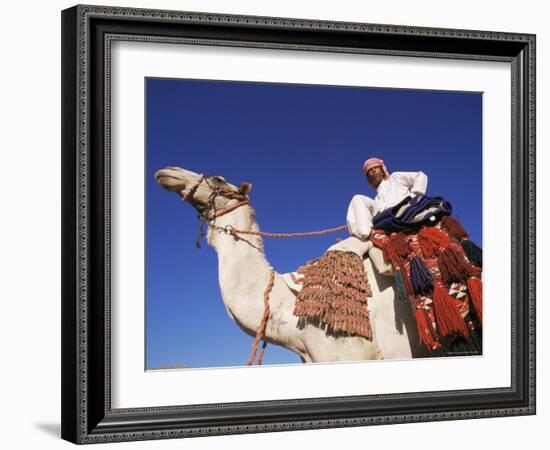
{"points": [[454, 228], [447, 316], [475, 289], [426, 332], [390, 254], [453, 267], [400, 245], [432, 241]]}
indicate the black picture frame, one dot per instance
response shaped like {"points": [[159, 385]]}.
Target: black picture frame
{"points": [[87, 416]]}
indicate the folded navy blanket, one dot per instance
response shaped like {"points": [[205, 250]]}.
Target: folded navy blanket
{"points": [[412, 212]]}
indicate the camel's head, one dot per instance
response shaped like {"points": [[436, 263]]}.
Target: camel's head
{"points": [[204, 193]]}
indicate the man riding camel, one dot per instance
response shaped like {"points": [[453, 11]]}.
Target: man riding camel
{"points": [[391, 189]]}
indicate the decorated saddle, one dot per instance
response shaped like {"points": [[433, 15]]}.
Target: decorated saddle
{"points": [[438, 272]]}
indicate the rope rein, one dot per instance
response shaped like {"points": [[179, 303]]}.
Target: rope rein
{"points": [[210, 221], [234, 230], [243, 200], [260, 334]]}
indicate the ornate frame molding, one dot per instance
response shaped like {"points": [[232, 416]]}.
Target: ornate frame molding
{"points": [[86, 211]]}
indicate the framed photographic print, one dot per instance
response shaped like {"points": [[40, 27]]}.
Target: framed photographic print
{"points": [[266, 222]]}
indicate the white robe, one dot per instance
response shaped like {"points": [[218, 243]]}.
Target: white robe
{"points": [[399, 185]]}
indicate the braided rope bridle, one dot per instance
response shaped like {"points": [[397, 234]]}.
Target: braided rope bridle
{"points": [[208, 212]]}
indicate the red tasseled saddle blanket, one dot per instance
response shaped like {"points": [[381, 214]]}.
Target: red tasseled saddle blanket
{"points": [[443, 286]]}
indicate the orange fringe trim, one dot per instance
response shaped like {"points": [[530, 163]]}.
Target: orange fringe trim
{"points": [[336, 291]]}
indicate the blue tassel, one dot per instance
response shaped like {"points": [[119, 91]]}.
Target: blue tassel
{"points": [[400, 288], [421, 278], [473, 252]]}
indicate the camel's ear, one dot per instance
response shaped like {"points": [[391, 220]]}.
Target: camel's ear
{"points": [[245, 188]]}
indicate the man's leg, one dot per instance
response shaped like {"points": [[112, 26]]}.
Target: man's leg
{"points": [[359, 217]]}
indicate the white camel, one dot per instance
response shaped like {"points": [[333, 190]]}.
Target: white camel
{"points": [[244, 272]]}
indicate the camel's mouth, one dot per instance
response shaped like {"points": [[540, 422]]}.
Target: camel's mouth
{"points": [[170, 180]]}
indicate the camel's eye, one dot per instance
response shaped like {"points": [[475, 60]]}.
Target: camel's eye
{"points": [[219, 180]]}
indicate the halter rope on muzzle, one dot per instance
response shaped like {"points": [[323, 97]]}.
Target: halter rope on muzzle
{"points": [[209, 209]]}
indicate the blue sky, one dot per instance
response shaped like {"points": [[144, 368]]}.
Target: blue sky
{"points": [[302, 147]]}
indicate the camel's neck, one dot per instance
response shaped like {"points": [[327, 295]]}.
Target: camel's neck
{"points": [[246, 245], [243, 269]]}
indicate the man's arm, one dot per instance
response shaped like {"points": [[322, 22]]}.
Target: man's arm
{"points": [[416, 182]]}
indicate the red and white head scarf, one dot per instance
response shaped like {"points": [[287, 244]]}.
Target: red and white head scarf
{"points": [[373, 162]]}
